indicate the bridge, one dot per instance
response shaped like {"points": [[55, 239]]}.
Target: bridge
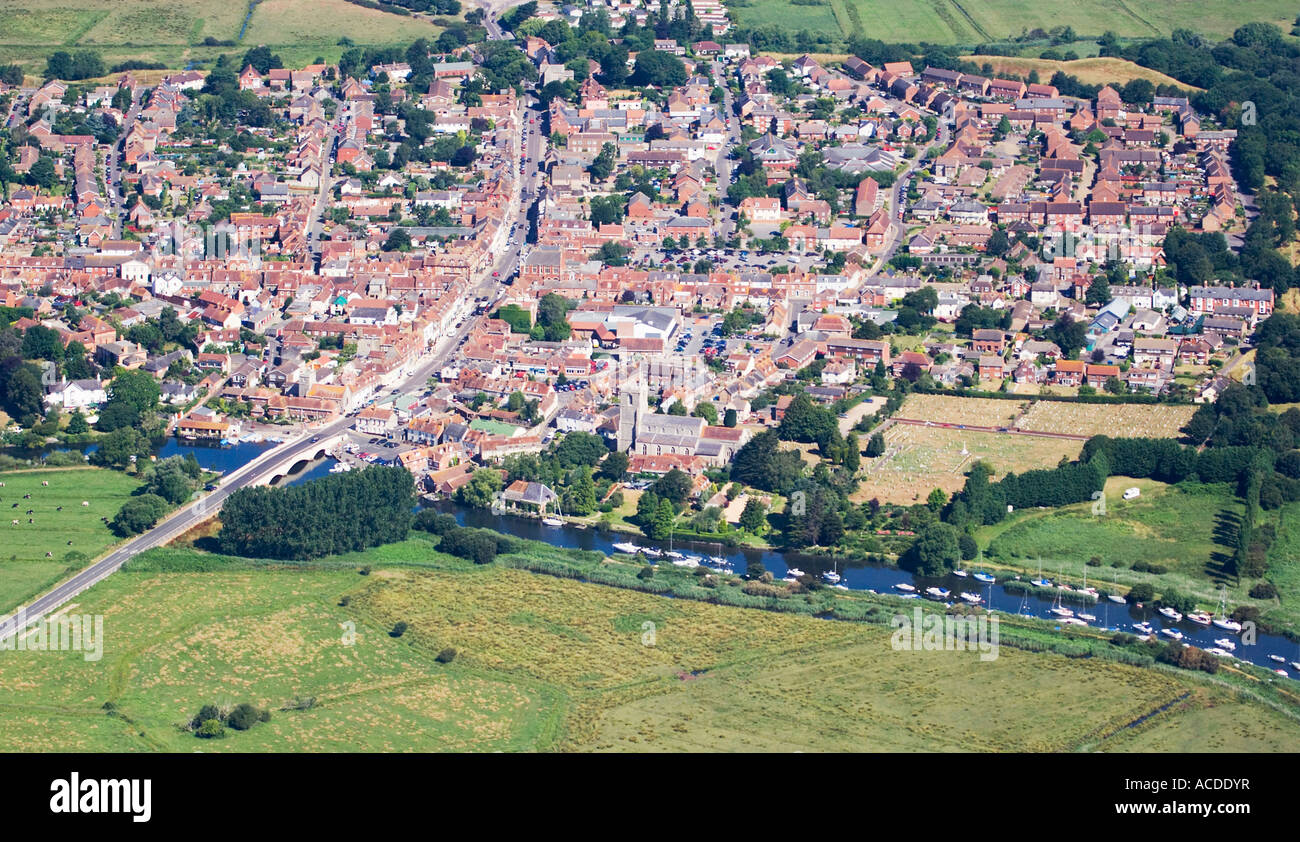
{"points": [[285, 464]]}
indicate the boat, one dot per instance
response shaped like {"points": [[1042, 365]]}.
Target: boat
{"points": [[1088, 618], [1170, 613], [938, 593], [1174, 633], [650, 552], [1282, 673], [1222, 620], [1117, 599], [831, 576], [552, 521], [1295, 665], [962, 573], [1225, 643], [972, 598], [795, 572], [719, 561], [1073, 621], [1042, 583], [1277, 658], [1144, 628], [842, 587], [986, 578], [688, 561], [1060, 611], [904, 587], [626, 547], [911, 596], [1200, 618], [674, 555]]}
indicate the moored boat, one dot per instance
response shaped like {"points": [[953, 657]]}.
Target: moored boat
{"points": [[1170, 613], [626, 547], [960, 573], [972, 598], [1117, 599], [1225, 643], [986, 578], [938, 593], [1200, 618], [904, 587], [1173, 633]]}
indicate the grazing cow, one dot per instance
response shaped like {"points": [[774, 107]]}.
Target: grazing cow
{"points": [[49, 555], [30, 512], [27, 496], [45, 482], [29, 520], [13, 523], [15, 505], [85, 502], [58, 508], [69, 543]]}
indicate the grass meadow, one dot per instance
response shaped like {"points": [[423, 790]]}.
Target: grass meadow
{"points": [[24, 568], [546, 663]]}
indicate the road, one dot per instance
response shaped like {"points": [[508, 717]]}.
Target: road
{"points": [[113, 165], [898, 200]]}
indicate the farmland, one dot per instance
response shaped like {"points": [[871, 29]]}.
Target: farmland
{"points": [[24, 568], [919, 459], [981, 21], [543, 663], [1091, 419], [173, 32], [1090, 71]]}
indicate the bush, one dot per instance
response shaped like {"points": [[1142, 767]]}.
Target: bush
{"points": [[436, 523], [969, 549], [211, 729], [245, 716], [205, 713], [446, 656], [477, 545], [1263, 590], [399, 629], [137, 515], [647, 572], [1142, 592]]}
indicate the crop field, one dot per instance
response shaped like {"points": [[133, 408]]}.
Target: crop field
{"points": [[542, 663], [24, 567], [980, 21], [1095, 419], [1090, 71], [950, 409], [918, 460], [173, 31]]}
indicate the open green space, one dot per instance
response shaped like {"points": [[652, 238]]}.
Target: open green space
{"points": [[549, 663], [25, 569], [980, 21]]}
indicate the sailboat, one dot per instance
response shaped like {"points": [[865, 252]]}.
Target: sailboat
{"points": [[832, 575], [1092, 592], [1222, 620], [554, 521], [1040, 581], [1058, 609]]}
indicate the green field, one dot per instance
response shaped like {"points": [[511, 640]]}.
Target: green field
{"points": [[1189, 532], [980, 21], [546, 663], [24, 568], [172, 31]]}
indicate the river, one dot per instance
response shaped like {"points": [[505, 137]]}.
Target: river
{"points": [[882, 578]]}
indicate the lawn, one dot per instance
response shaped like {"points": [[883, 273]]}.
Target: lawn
{"points": [[24, 568], [919, 459], [980, 21], [542, 663], [950, 409]]}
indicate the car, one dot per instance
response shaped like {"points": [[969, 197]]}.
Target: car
{"points": [[209, 487], [315, 439], [496, 274]]}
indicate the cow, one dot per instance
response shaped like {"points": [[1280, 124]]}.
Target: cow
{"points": [[85, 502]]}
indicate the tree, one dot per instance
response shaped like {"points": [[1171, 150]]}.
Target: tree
{"points": [[482, 489], [760, 463], [754, 517], [729, 418], [662, 525], [581, 499], [658, 69], [707, 411], [935, 552], [23, 394], [42, 343], [77, 424], [580, 448], [614, 466], [875, 446], [603, 166], [1098, 294], [399, 239], [804, 421], [137, 388], [852, 453], [138, 514], [674, 486]]}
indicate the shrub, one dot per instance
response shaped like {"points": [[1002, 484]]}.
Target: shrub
{"points": [[647, 572], [446, 656], [211, 729], [436, 523], [1263, 590], [399, 629], [245, 716], [205, 713], [1142, 592]]}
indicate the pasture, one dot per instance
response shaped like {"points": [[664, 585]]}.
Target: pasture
{"points": [[542, 663], [981, 21], [1097, 419], [1090, 71], [24, 568], [919, 459]]}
